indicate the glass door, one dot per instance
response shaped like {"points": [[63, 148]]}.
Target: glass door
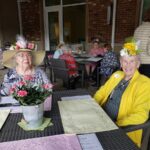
{"points": [[53, 26], [64, 22], [53, 29], [74, 24]]}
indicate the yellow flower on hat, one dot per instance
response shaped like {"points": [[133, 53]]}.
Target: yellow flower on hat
{"points": [[130, 49]]}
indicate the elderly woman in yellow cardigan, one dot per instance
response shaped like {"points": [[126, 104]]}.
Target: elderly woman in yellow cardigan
{"points": [[126, 95]]}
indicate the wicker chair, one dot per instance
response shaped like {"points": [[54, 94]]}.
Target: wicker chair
{"points": [[146, 133]]}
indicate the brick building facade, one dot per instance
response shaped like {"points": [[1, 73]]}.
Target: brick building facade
{"points": [[127, 19], [32, 21]]}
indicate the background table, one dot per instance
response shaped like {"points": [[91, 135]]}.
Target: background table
{"points": [[110, 140]]}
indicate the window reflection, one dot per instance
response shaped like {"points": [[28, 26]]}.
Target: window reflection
{"points": [[72, 1], [53, 29], [74, 23], [52, 2], [146, 10]]}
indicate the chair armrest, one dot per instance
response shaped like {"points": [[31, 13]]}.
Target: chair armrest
{"points": [[136, 127]]}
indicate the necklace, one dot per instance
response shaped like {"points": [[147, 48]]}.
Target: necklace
{"points": [[121, 86], [124, 83]]}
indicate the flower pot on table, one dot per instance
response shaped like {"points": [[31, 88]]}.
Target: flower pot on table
{"points": [[33, 115]]}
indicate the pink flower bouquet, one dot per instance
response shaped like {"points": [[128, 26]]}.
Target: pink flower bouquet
{"points": [[29, 93]]}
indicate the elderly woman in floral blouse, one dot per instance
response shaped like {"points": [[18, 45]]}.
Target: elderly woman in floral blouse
{"points": [[126, 95], [22, 62], [108, 64]]}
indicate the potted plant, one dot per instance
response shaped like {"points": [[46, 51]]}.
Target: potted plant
{"points": [[31, 97]]}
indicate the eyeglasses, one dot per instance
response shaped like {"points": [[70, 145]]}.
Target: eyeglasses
{"points": [[22, 55]]}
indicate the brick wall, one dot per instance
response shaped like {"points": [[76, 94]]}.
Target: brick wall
{"points": [[9, 23], [146, 15], [32, 22], [126, 18], [127, 14], [97, 19]]}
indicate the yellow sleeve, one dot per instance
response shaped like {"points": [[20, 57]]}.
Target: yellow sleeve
{"points": [[140, 110], [100, 95], [104, 91]]}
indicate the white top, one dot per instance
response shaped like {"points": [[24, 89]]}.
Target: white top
{"points": [[57, 53], [142, 33]]}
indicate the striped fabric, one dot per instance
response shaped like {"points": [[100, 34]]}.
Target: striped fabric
{"points": [[142, 33]]}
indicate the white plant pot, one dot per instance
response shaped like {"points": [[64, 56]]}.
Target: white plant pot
{"points": [[33, 115]]}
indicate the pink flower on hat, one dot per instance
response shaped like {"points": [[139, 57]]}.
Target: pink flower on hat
{"points": [[30, 45]]}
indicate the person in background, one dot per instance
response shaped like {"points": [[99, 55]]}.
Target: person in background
{"points": [[142, 33], [22, 62], [71, 65], [59, 51], [125, 97], [108, 64], [94, 51]]}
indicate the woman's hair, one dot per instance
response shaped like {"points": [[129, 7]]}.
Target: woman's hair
{"points": [[95, 40], [108, 46], [137, 57], [60, 44]]}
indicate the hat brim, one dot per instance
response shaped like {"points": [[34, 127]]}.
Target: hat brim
{"points": [[8, 57]]}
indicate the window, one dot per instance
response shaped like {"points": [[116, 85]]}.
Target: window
{"points": [[74, 24], [52, 2], [64, 22], [146, 10], [65, 2]]}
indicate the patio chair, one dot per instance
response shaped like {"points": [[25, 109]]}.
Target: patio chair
{"points": [[146, 133], [60, 71], [98, 78], [48, 55]]}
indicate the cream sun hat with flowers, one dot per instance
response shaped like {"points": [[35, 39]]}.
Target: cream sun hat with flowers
{"points": [[130, 48], [22, 46]]}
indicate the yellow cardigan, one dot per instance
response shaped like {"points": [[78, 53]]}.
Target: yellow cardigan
{"points": [[135, 102]]}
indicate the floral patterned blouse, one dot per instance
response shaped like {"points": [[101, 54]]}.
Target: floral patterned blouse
{"points": [[109, 63], [12, 78]]}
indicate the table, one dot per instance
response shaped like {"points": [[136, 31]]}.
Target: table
{"points": [[110, 140], [85, 59]]}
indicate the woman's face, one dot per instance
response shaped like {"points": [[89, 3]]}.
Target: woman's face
{"points": [[95, 45], [24, 59], [129, 65]]}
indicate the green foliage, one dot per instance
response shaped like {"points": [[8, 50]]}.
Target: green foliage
{"points": [[28, 93]]}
